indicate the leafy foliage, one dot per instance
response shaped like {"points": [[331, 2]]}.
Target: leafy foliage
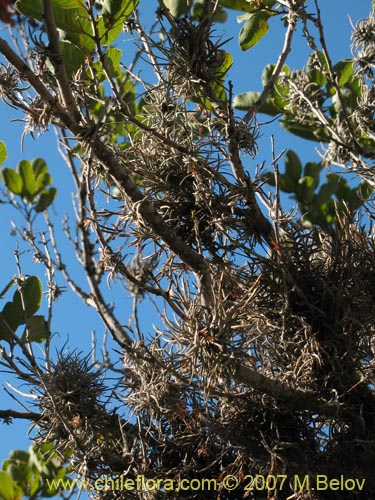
{"points": [[30, 181], [21, 311], [29, 473]]}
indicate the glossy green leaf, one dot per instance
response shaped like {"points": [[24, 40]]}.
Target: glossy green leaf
{"points": [[12, 180], [45, 199], [255, 28], [36, 330], [3, 152], [293, 165], [30, 297], [177, 8]]}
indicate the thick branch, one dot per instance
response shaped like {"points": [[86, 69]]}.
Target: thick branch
{"points": [[292, 397], [27, 415]]}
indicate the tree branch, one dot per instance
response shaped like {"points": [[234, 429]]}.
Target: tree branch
{"points": [[292, 397], [7, 415]]}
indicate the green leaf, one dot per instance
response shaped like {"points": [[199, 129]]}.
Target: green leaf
{"points": [[13, 316], [314, 63], [325, 193], [313, 169], [28, 179], [114, 14], [112, 59], [293, 165], [29, 298], [255, 28], [344, 71], [8, 488], [177, 8], [45, 199], [3, 152], [365, 190], [305, 189], [42, 177], [36, 329], [269, 178], [73, 56], [303, 130], [119, 8], [12, 180], [287, 184], [247, 100], [71, 17], [267, 74]]}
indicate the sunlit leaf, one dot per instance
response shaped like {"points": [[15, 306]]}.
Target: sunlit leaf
{"points": [[28, 179], [344, 71], [3, 152], [8, 488], [12, 180], [305, 189], [255, 28]]}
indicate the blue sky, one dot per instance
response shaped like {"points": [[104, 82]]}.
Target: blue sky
{"points": [[76, 321]]}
